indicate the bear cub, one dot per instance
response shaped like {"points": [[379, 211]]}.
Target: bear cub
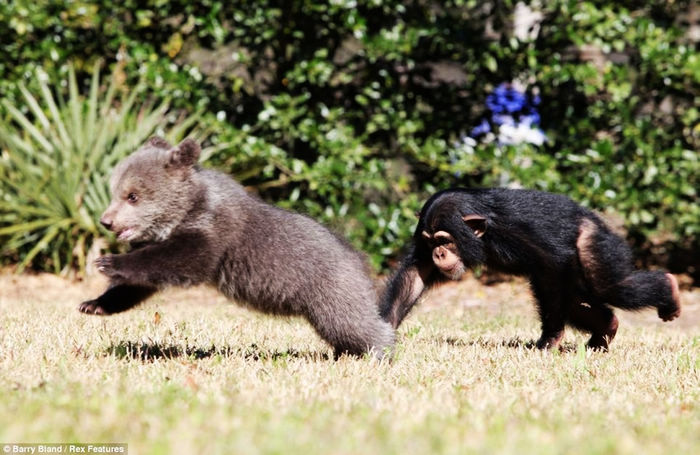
{"points": [[188, 225]]}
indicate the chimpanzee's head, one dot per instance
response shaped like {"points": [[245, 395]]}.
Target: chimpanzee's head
{"points": [[451, 234]]}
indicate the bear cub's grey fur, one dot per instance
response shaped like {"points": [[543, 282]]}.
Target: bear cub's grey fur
{"points": [[189, 225]]}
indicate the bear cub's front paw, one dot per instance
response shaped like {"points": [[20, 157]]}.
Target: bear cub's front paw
{"points": [[92, 307], [107, 266]]}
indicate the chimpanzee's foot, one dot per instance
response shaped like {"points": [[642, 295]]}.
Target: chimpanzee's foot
{"points": [[599, 341], [672, 311], [550, 340]]}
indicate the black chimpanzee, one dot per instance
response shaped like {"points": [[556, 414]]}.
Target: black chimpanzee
{"points": [[577, 267]]}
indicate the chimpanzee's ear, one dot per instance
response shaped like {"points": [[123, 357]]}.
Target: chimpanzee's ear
{"points": [[476, 222], [185, 154]]}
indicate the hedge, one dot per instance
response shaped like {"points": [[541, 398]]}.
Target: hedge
{"points": [[355, 111]]}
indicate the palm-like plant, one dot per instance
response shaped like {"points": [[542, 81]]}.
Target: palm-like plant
{"points": [[55, 163]]}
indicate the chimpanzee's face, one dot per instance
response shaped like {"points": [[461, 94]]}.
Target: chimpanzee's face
{"points": [[444, 253], [451, 237]]}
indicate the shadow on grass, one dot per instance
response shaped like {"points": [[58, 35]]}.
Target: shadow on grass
{"points": [[516, 343], [148, 352]]}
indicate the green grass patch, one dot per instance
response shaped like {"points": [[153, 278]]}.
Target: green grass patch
{"points": [[205, 376]]}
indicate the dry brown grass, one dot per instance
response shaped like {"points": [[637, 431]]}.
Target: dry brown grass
{"points": [[189, 373]]}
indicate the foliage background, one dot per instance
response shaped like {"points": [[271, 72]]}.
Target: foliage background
{"points": [[354, 111]]}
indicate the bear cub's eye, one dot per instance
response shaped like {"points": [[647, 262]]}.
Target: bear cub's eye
{"points": [[132, 198]]}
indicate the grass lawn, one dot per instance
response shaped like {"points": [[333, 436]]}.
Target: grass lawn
{"points": [[189, 373]]}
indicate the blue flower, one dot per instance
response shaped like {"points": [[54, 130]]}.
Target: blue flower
{"points": [[512, 116], [499, 119], [482, 128], [513, 101], [530, 116], [494, 104], [505, 99]]}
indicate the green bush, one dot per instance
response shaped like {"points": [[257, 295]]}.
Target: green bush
{"points": [[55, 167], [354, 111]]}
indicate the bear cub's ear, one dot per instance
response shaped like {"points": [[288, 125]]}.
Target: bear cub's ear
{"points": [[158, 142], [185, 154]]}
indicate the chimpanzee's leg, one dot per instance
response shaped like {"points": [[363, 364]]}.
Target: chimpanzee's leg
{"points": [[598, 320], [607, 266], [645, 288], [550, 295]]}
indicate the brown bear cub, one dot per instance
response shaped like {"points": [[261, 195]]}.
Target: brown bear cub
{"points": [[187, 225]]}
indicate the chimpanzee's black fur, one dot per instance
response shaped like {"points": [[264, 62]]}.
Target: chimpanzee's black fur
{"points": [[577, 267]]}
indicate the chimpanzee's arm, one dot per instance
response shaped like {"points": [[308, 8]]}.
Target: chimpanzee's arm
{"points": [[181, 260], [405, 288], [117, 298]]}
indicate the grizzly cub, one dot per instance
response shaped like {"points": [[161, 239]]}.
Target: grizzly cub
{"points": [[187, 225]]}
